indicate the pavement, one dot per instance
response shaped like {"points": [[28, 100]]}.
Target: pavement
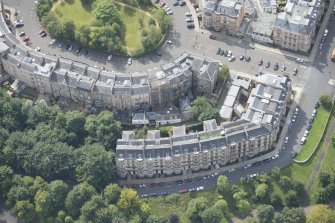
{"points": [[310, 83]]}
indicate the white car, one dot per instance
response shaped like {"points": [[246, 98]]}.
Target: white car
{"points": [[229, 54], [231, 59], [231, 170], [168, 9], [130, 61], [254, 175], [188, 14], [109, 58], [286, 140], [169, 42], [70, 48], [247, 166], [306, 133], [38, 49], [200, 188], [169, 12], [189, 20], [275, 157], [296, 112], [52, 42], [326, 32]]}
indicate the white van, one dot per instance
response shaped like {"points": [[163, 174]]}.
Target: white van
{"points": [[303, 140]]}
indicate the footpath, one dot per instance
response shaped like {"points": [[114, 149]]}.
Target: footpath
{"points": [[316, 170]]}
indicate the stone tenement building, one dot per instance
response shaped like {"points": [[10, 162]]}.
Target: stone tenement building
{"points": [[294, 28], [91, 86], [225, 15], [255, 132]]}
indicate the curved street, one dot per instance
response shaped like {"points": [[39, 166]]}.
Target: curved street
{"points": [[312, 78]]}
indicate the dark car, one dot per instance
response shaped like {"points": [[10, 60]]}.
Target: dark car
{"points": [[293, 154], [260, 63], [317, 105], [275, 66], [242, 57], [163, 193], [86, 52], [218, 51], [212, 37], [222, 53], [190, 25], [175, 4], [267, 64], [158, 53], [78, 50], [182, 3], [308, 127], [247, 58]]}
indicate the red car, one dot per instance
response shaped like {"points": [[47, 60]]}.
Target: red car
{"points": [[26, 39], [183, 191], [212, 37], [260, 63]]}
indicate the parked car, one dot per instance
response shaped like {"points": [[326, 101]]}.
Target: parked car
{"points": [[247, 58], [22, 34], [52, 42], [317, 105], [247, 166], [169, 12], [222, 53], [38, 49], [242, 57], [200, 188], [260, 63], [286, 140], [229, 53], [188, 14], [169, 42], [212, 37], [275, 66], [189, 20], [78, 50], [231, 59], [218, 51], [26, 39], [267, 64], [183, 191], [109, 58], [295, 71], [231, 170], [182, 3], [190, 25], [283, 68], [175, 3], [130, 61]]}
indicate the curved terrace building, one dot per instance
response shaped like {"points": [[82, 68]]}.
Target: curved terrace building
{"points": [[95, 87]]}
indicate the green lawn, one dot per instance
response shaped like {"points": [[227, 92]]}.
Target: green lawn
{"points": [[315, 134], [73, 11], [132, 28]]}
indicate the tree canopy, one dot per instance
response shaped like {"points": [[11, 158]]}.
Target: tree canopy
{"points": [[203, 110]]}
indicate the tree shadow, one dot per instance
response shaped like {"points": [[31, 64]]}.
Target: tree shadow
{"points": [[70, 2]]}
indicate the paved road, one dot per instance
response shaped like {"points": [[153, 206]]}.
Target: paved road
{"points": [[313, 78]]}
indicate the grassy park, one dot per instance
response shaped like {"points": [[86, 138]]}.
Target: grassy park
{"points": [[314, 134], [134, 20]]}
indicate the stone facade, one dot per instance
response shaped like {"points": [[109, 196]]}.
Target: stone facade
{"points": [[256, 132]]}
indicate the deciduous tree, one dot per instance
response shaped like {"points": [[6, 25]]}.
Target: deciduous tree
{"points": [[76, 198], [265, 213], [321, 214]]}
